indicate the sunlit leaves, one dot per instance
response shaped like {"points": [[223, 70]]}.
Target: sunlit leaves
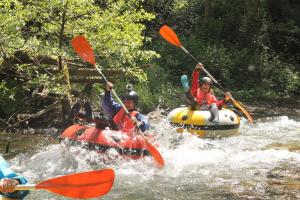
{"points": [[11, 22]]}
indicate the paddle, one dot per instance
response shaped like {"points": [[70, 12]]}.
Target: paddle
{"points": [[168, 34], [82, 185], [85, 51]]}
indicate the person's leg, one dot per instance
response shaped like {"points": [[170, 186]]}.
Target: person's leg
{"points": [[214, 111], [192, 101]]}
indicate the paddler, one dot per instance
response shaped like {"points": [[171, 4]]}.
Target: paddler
{"points": [[117, 112], [201, 96]]}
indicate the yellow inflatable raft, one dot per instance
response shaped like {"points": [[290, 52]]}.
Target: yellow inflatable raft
{"points": [[196, 121]]}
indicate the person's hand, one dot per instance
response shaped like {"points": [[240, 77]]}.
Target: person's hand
{"points": [[198, 66], [8, 185], [135, 121], [109, 86], [227, 96]]}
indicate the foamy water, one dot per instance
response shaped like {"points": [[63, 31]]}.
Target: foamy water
{"points": [[239, 167]]}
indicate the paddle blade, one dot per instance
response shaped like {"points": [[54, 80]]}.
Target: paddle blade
{"points": [[236, 103], [168, 34], [83, 49], [89, 184], [155, 154]]}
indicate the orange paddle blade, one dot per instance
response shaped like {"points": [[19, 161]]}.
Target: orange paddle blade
{"points": [[83, 49], [155, 154], [89, 184], [236, 103], [70, 132], [168, 34]]}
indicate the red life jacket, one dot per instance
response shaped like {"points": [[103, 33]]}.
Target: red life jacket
{"points": [[205, 98], [123, 121], [202, 97]]}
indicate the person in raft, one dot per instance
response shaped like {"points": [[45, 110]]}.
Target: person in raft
{"points": [[117, 112], [8, 182], [201, 96], [85, 114]]}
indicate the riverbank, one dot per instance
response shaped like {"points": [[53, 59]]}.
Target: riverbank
{"points": [[275, 107], [258, 108]]}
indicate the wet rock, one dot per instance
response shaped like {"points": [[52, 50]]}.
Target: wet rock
{"points": [[284, 181], [291, 146]]}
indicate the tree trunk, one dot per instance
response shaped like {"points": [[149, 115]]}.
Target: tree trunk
{"points": [[66, 99]]}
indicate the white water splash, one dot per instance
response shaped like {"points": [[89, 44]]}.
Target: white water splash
{"points": [[195, 168]]}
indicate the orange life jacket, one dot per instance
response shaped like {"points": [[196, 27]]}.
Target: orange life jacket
{"points": [[123, 121], [205, 98]]}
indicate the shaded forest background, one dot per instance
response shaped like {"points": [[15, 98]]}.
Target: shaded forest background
{"points": [[251, 47]]}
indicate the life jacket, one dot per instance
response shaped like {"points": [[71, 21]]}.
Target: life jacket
{"points": [[205, 98], [123, 121]]}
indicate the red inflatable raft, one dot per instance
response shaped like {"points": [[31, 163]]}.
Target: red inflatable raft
{"points": [[126, 143]]}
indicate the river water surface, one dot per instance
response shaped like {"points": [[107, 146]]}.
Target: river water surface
{"points": [[263, 162]]}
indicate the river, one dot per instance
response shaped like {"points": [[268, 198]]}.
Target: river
{"points": [[262, 162]]}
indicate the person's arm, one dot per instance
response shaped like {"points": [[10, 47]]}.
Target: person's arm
{"points": [[220, 103], [108, 103], [224, 101], [9, 180], [195, 80], [144, 123]]}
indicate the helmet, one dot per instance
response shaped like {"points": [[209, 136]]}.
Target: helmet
{"points": [[205, 80], [131, 95]]}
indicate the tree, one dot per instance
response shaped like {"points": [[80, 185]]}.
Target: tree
{"points": [[42, 29]]}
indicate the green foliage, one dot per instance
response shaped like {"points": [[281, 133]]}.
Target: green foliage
{"points": [[243, 44], [167, 96], [115, 32], [10, 94], [12, 20], [5, 92], [159, 91], [40, 28], [43, 29], [251, 47]]}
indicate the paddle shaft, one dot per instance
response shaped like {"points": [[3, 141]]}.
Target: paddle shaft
{"points": [[208, 74], [26, 187], [112, 90]]}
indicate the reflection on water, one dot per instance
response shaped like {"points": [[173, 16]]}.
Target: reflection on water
{"points": [[263, 162]]}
